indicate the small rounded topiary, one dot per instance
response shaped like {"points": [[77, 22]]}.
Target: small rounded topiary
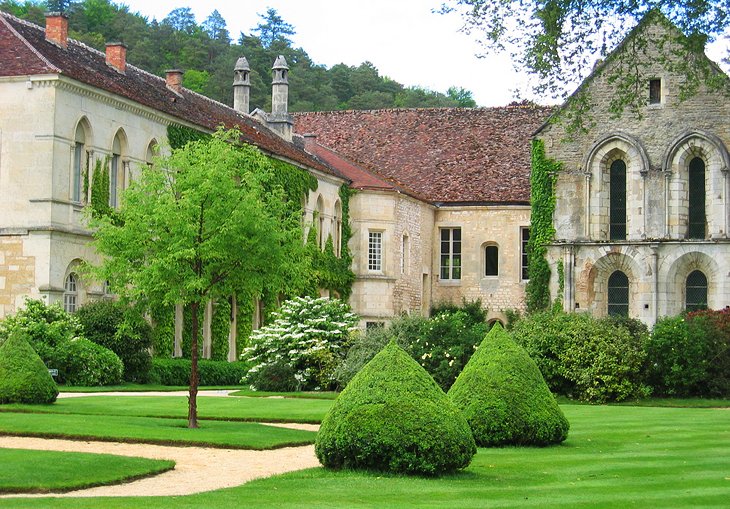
{"points": [[23, 376], [504, 397], [393, 417]]}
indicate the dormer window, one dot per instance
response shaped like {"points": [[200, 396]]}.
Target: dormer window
{"points": [[655, 91]]}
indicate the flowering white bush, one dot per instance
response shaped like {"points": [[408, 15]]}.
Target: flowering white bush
{"points": [[309, 335]]}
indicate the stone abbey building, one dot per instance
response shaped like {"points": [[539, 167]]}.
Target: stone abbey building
{"points": [[442, 209]]}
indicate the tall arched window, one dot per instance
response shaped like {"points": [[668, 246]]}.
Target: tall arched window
{"points": [[320, 223], [618, 294], [152, 150], [696, 196], [696, 291], [617, 200], [79, 163], [491, 261], [115, 176], [337, 234], [70, 293]]}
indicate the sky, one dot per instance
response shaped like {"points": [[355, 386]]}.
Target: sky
{"points": [[404, 39]]}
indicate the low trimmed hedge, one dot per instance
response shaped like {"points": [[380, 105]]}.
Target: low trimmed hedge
{"points": [[177, 372], [83, 362]]}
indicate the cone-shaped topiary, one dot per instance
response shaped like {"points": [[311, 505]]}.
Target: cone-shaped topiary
{"points": [[393, 417], [23, 376], [504, 397]]}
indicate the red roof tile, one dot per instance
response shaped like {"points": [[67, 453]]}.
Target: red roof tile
{"points": [[360, 177], [447, 155], [25, 51]]}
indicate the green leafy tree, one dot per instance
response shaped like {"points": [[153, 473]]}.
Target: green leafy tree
{"points": [[559, 41], [198, 225], [273, 28], [462, 96]]}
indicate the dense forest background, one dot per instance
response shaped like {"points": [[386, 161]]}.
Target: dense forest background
{"points": [[207, 54]]}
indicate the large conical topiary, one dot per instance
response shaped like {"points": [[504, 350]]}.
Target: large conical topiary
{"points": [[504, 397], [393, 417], [23, 376]]}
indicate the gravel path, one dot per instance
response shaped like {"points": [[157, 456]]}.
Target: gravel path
{"points": [[197, 469]]}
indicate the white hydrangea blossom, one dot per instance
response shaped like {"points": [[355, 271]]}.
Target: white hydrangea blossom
{"points": [[303, 331]]}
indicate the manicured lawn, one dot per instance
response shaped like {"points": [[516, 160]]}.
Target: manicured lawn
{"points": [[236, 435], [615, 456], [25, 471], [241, 409]]}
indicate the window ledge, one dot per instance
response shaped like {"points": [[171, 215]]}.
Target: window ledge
{"points": [[449, 282]]}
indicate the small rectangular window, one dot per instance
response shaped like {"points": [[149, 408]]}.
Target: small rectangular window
{"points": [[525, 238], [375, 251], [374, 325], [655, 91], [491, 255]]}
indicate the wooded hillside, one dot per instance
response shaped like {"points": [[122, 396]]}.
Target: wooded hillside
{"points": [[207, 54]]}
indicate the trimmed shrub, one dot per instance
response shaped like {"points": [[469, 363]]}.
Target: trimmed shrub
{"points": [[504, 397], [177, 372], [393, 417], [23, 376], [277, 377], [591, 359], [82, 362], [123, 331], [44, 326], [690, 355], [311, 335]]}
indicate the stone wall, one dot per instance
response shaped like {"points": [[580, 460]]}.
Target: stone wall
{"points": [[657, 143], [482, 226]]}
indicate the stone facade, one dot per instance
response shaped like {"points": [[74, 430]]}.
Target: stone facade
{"points": [[482, 227], [657, 145]]}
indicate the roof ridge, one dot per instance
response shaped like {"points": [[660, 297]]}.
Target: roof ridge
{"points": [[435, 109], [24, 40]]}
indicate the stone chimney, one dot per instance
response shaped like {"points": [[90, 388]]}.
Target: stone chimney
{"points": [[57, 29], [280, 87], [241, 85], [116, 56], [173, 78], [310, 141]]}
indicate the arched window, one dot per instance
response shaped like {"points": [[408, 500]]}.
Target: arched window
{"points": [[79, 163], [337, 234], [696, 196], [491, 260], [70, 293], [696, 291], [152, 150], [617, 200], [320, 223], [618, 294], [115, 172]]}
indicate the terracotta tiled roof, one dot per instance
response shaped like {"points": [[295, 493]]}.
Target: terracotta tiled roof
{"points": [[24, 51], [360, 178], [447, 155]]}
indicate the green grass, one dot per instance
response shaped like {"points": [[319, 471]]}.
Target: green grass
{"points": [[26, 471], [210, 407], [236, 435], [615, 456]]}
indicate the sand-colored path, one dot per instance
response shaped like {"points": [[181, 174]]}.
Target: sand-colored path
{"points": [[197, 469]]}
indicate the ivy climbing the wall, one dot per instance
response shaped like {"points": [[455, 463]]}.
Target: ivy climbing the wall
{"points": [[542, 231], [100, 189], [179, 135]]}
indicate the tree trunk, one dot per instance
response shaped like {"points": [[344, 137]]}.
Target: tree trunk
{"points": [[193, 395]]}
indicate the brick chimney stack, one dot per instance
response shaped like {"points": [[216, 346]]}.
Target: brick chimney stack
{"points": [[116, 56], [173, 78], [57, 29]]}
